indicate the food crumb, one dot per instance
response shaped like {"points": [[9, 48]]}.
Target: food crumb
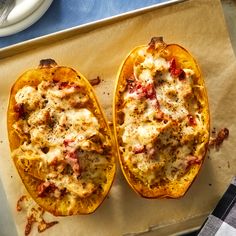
{"points": [[217, 139], [213, 131], [95, 81], [34, 214], [228, 164]]}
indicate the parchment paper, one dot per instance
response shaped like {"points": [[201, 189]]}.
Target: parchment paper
{"points": [[199, 26]]}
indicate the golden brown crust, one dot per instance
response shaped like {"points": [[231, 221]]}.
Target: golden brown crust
{"points": [[165, 189], [49, 71]]}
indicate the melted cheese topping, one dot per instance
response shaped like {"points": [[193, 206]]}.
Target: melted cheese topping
{"points": [[62, 138], [163, 129]]}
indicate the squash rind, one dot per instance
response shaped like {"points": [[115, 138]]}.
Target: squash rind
{"points": [[48, 70], [171, 189]]}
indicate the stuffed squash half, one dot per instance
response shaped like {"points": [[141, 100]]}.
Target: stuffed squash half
{"points": [[161, 119], [60, 141]]}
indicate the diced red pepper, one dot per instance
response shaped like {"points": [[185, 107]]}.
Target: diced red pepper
{"points": [[193, 160], [192, 120], [172, 64], [176, 72]]}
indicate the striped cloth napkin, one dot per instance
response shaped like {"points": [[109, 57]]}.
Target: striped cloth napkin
{"points": [[222, 221]]}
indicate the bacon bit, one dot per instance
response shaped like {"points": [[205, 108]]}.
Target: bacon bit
{"points": [[150, 91], [63, 85], [95, 81], [71, 156], [192, 120], [151, 151], [54, 162], [147, 91], [191, 160], [77, 87], [159, 115], [72, 159], [34, 215], [67, 142], [138, 149], [45, 188], [20, 110], [143, 148], [216, 142], [156, 104], [49, 120], [176, 72]]}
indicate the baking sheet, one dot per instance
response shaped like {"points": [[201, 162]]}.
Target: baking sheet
{"points": [[197, 25]]}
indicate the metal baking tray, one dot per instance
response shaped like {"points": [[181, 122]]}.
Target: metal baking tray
{"points": [[81, 29]]}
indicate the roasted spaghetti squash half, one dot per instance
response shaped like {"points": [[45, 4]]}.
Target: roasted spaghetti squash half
{"points": [[161, 119], [60, 141]]}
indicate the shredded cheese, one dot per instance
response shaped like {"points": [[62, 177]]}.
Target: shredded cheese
{"points": [[161, 129], [63, 135]]}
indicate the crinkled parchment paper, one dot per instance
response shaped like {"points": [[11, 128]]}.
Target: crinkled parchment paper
{"points": [[199, 26]]}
